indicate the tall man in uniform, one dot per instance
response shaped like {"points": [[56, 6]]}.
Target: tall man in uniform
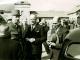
{"points": [[16, 31], [35, 36]]}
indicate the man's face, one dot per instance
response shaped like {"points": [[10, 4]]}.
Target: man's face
{"points": [[15, 19], [33, 18]]}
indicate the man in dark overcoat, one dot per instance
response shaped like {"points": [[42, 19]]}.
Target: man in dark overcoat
{"points": [[36, 37]]}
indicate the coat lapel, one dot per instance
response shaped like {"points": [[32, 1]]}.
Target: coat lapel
{"points": [[35, 29]]}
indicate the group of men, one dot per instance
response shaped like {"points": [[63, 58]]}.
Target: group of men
{"points": [[25, 41]]}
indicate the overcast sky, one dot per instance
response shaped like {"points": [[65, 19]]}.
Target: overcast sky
{"points": [[42, 5]]}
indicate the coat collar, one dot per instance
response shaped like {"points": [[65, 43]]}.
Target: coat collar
{"points": [[35, 28]]}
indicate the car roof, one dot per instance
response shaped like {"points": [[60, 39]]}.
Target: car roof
{"points": [[74, 35]]}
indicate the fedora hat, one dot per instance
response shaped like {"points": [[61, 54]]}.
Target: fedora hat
{"points": [[16, 13]]}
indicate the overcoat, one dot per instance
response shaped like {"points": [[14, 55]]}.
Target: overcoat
{"points": [[38, 34]]}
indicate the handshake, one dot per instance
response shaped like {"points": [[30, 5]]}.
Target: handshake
{"points": [[30, 39]]}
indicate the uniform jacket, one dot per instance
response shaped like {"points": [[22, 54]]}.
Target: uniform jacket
{"points": [[38, 34], [16, 34], [16, 31]]}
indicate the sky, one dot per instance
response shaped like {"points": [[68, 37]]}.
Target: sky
{"points": [[46, 5]]}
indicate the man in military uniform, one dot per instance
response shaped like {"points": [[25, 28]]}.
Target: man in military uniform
{"points": [[16, 31], [35, 36]]}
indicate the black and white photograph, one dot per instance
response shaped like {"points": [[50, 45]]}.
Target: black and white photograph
{"points": [[39, 29]]}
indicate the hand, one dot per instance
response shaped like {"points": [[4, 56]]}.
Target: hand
{"points": [[31, 39], [53, 44]]}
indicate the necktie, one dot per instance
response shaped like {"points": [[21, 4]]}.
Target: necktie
{"points": [[32, 27]]}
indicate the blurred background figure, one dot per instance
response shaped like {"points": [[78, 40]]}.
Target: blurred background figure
{"points": [[63, 29], [46, 29]]}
